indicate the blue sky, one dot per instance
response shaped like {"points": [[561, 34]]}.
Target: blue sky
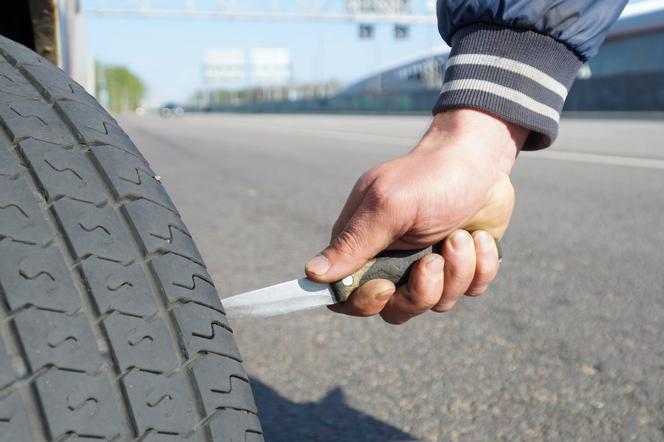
{"points": [[168, 53]]}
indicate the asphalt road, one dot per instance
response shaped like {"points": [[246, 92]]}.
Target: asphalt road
{"points": [[568, 344]]}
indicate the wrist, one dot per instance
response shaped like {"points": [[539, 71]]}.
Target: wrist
{"points": [[481, 135]]}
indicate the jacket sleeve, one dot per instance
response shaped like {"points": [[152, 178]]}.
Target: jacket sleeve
{"points": [[517, 59]]}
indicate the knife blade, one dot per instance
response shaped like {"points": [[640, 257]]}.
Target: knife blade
{"points": [[304, 294], [291, 296]]}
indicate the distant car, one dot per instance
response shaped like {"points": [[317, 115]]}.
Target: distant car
{"points": [[170, 109]]}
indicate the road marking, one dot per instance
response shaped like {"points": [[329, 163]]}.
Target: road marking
{"points": [[578, 157], [406, 142], [334, 134], [351, 136], [610, 160]]}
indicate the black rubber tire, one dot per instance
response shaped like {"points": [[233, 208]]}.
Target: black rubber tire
{"points": [[111, 327]]}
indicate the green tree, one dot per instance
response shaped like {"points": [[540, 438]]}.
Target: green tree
{"points": [[118, 88]]}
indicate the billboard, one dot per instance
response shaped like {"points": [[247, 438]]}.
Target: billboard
{"points": [[224, 67], [270, 66], [386, 7]]}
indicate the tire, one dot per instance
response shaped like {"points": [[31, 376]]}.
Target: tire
{"points": [[111, 327]]}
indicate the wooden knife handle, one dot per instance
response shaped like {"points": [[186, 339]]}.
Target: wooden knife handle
{"points": [[394, 266]]}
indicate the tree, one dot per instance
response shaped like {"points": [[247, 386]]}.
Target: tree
{"points": [[118, 88]]}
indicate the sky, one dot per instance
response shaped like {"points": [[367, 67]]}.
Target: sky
{"points": [[167, 53]]}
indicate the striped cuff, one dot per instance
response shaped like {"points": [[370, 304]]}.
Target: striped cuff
{"points": [[518, 75]]}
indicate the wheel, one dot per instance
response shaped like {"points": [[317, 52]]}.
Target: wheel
{"points": [[111, 327]]}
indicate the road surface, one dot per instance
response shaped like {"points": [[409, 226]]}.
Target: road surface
{"points": [[568, 343]]}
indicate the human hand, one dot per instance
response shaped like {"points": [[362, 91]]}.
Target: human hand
{"points": [[454, 181]]}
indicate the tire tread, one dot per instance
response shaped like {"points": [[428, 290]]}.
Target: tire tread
{"points": [[107, 307]]}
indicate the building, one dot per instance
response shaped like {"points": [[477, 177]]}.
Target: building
{"points": [[627, 74]]}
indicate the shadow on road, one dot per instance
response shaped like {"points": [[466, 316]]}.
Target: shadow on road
{"points": [[330, 419]]}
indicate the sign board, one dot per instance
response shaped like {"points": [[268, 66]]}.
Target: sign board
{"points": [[270, 66], [387, 7], [224, 66]]}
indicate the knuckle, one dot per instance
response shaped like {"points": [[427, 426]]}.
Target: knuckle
{"points": [[346, 242], [480, 281], [416, 301], [337, 228], [362, 182], [363, 311], [476, 291], [363, 307], [485, 268], [370, 175], [394, 320], [383, 196], [442, 308], [422, 304], [354, 308], [457, 271], [380, 197], [484, 274], [366, 179]]}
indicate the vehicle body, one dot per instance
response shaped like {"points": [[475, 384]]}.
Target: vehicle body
{"points": [[54, 29], [171, 109]]}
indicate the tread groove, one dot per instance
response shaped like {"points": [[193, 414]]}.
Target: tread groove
{"points": [[163, 302], [14, 346], [62, 240], [80, 282], [153, 279], [131, 345]]}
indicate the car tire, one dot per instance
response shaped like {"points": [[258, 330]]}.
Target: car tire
{"points": [[111, 327]]}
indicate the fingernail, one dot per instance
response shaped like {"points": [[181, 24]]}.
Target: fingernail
{"points": [[434, 265], [459, 241], [485, 241], [318, 265]]}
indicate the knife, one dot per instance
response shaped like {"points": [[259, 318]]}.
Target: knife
{"points": [[304, 294]]}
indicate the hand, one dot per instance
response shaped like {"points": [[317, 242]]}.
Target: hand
{"points": [[455, 180]]}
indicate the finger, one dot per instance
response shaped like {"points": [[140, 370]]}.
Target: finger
{"points": [[353, 202], [459, 254], [368, 299], [486, 266], [369, 231], [419, 294]]}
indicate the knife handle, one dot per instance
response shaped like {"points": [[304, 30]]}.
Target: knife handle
{"points": [[392, 265]]}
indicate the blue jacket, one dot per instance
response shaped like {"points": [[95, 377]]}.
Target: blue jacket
{"points": [[518, 58]]}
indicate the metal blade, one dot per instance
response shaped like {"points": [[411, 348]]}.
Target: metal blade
{"points": [[287, 297]]}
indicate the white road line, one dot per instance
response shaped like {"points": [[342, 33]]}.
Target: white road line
{"points": [[407, 142], [610, 160], [334, 134]]}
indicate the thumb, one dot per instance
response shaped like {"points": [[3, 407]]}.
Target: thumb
{"points": [[364, 236]]}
